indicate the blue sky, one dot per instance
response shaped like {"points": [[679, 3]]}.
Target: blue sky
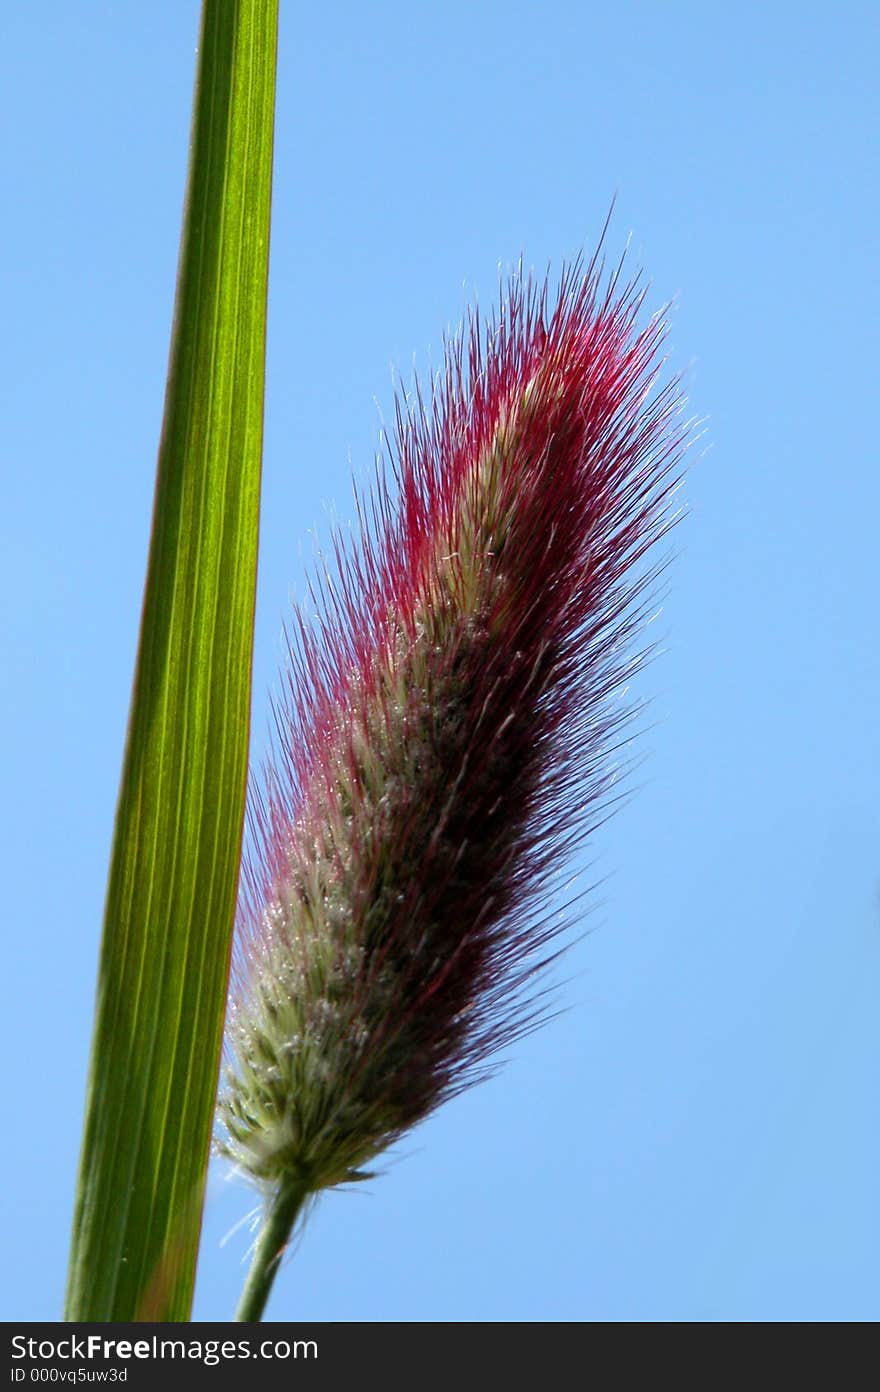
{"points": [[698, 1136]]}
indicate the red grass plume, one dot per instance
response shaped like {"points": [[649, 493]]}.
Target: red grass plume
{"points": [[445, 733]]}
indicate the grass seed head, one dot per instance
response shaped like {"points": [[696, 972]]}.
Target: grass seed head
{"points": [[444, 734]]}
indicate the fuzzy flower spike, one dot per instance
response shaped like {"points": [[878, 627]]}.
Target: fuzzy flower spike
{"points": [[443, 739]]}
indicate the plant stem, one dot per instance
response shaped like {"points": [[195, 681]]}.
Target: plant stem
{"points": [[281, 1213]]}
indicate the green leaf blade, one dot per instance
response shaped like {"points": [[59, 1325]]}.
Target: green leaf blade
{"points": [[174, 865]]}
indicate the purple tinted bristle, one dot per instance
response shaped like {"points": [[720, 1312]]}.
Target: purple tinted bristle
{"points": [[444, 733]]}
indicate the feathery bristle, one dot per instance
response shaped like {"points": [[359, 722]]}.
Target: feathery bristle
{"points": [[443, 738]]}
